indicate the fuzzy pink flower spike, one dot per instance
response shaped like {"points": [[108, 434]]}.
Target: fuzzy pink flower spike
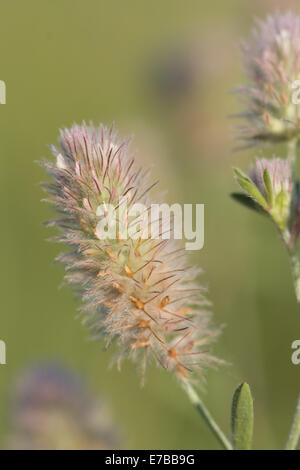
{"points": [[139, 290]]}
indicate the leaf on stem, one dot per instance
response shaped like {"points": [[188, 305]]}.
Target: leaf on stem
{"points": [[268, 185], [252, 190], [242, 418], [247, 201]]}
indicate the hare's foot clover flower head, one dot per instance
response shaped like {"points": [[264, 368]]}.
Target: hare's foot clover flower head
{"points": [[269, 184], [272, 60], [137, 289]]}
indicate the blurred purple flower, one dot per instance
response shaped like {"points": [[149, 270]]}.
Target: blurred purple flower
{"points": [[52, 409]]}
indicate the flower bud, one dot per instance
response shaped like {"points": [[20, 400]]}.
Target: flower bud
{"points": [[269, 184]]}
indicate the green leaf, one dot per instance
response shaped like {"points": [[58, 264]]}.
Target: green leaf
{"points": [[247, 201], [268, 185], [280, 200], [242, 418], [240, 174], [252, 190]]}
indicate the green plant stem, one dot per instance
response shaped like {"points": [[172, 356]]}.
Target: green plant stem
{"points": [[294, 435], [208, 419], [295, 268], [292, 155], [295, 431], [292, 245]]}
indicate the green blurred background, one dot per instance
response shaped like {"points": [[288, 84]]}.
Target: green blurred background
{"points": [[69, 60]]}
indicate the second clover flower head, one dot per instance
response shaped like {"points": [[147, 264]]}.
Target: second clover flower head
{"points": [[272, 60], [138, 291]]}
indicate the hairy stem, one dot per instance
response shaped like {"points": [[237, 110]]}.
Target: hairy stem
{"points": [[292, 155], [208, 419], [295, 431], [291, 244], [295, 267]]}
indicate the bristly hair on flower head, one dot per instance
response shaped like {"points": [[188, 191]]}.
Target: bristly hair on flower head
{"points": [[136, 290], [272, 61]]}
